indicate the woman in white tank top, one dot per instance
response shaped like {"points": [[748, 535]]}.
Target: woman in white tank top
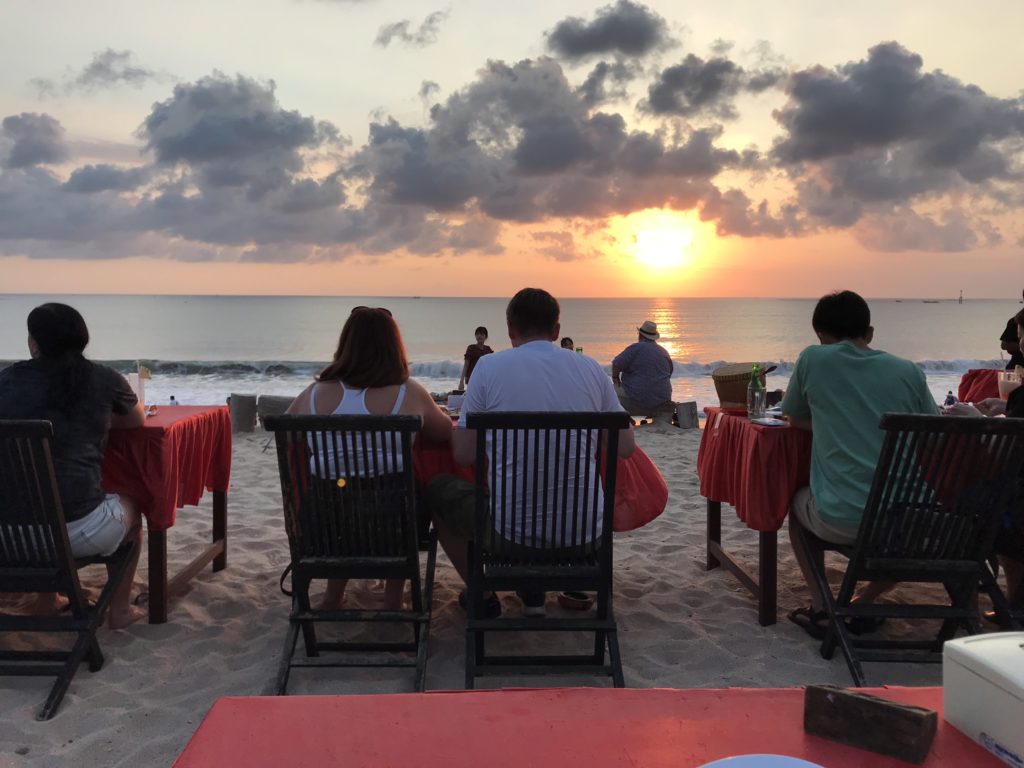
{"points": [[370, 375]]}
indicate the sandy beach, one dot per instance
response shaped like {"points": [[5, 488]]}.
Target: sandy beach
{"points": [[679, 626]]}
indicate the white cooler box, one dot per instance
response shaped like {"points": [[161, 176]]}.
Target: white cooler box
{"points": [[983, 691]]}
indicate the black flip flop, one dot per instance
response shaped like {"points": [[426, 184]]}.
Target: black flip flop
{"points": [[814, 623]]}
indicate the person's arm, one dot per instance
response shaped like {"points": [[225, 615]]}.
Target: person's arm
{"points": [[437, 426], [1009, 342], [462, 376], [300, 405], [627, 442], [620, 364], [794, 404], [990, 406], [126, 412], [464, 446], [135, 417]]}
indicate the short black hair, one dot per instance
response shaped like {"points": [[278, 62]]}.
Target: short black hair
{"points": [[481, 329], [567, 342], [842, 315], [1019, 317], [533, 312], [58, 330]]}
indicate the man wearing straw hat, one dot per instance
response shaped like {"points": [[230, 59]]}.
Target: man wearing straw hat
{"points": [[642, 372]]}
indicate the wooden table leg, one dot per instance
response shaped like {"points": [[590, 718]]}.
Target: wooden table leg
{"points": [[157, 577], [714, 533], [220, 528], [767, 577]]}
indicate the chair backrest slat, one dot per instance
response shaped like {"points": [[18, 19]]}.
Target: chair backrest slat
{"points": [[33, 536], [941, 488], [347, 485], [544, 502]]}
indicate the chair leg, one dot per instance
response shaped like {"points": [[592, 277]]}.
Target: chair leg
{"points": [[422, 632], [285, 667], [300, 589], [94, 655], [615, 659], [60, 686], [470, 659]]}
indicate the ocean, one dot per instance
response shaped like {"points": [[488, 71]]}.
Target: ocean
{"points": [[202, 348]]}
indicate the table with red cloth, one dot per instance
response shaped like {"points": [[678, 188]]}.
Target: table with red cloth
{"points": [[595, 727], [756, 469], [179, 453], [978, 384]]}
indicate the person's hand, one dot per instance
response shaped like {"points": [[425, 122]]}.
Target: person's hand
{"points": [[461, 385], [962, 409], [992, 406]]}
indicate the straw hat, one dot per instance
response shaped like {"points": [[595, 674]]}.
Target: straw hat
{"points": [[649, 330]]}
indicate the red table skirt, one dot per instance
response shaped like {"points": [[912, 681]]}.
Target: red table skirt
{"points": [[432, 459], [978, 384], [755, 469], [178, 454], [592, 727]]}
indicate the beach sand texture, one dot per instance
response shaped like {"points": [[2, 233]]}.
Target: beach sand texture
{"points": [[679, 626]]}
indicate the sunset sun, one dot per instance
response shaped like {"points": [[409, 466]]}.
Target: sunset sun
{"points": [[661, 241]]}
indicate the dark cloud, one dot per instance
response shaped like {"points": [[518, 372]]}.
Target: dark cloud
{"points": [[233, 133], [869, 139], [607, 81], [34, 138], [104, 177], [625, 28], [404, 32], [227, 172], [108, 68], [697, 86]]}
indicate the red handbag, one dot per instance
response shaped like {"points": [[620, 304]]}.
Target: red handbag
{"points": [[641, 493]]}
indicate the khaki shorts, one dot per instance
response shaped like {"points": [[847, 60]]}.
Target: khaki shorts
{"points": [[805, 509], [101, 531]]}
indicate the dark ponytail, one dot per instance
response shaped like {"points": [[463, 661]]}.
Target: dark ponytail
{"points": [[61, 335]]}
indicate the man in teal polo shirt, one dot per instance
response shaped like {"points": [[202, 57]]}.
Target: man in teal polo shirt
{"points": [[839, 390]]}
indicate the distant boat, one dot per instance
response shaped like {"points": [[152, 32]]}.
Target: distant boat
{"points": [[929, 301]]}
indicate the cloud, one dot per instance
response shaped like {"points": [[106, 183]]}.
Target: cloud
{"points": [[420, 37], [107, 69], [873, 137], [625, 28], [104, 177], [226, 171], [607, 81], [35, 139], [697, 86]]}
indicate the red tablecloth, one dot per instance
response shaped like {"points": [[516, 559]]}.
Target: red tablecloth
{"points": [[593, 727], [431, 459], [977, 384], [181, 452], [755, 469]]}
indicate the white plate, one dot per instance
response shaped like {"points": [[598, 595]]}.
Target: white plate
{"points": [[761, 761]]}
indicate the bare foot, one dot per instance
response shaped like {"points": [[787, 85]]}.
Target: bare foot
{"points": [[123, 618], [48, 604]]}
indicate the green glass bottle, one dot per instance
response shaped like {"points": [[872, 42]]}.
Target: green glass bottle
{"points": [[755, 394]]}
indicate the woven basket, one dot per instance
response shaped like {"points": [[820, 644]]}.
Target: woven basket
{"points": [[731, 383]]}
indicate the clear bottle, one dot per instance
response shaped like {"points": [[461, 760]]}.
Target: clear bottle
{"points": [[755, 394]]}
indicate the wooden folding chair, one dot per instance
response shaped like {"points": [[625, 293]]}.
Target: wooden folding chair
{"points": [[941, 490], [35, 557], [549, 529], [350, 512]]}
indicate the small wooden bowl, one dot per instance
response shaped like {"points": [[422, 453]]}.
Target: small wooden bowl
{"points": [[575, 601]]}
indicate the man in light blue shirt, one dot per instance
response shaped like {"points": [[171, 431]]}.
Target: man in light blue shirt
{"points": [[642, 372], [839, 390]]}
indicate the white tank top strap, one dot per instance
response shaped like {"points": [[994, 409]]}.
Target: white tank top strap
{"points": [[399, 400]]}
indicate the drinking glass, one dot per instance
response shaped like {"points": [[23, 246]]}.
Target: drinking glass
{"points": [[1007, 381]]}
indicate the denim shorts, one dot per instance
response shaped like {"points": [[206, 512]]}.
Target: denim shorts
{"points": [[101, 531]]}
